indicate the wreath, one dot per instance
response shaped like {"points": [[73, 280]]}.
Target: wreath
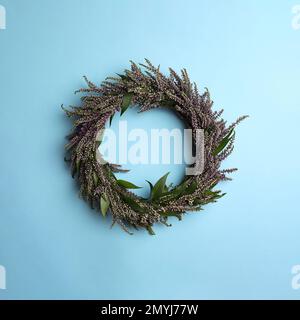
{"points": [[144, 85]]}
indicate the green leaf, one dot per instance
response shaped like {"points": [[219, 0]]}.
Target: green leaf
{"points": [[104, 205], [159, 187], [168, 188], [150, 230], [168, 103], [150, 184], [198, 202], [77, 165], [95, 178], [126, 102], [211, 193], [213, 185], [132, 204], [190, 189], [151, 188], [214, 194], [123, 77], [76, 168], [223, 143], [172, 214], [127, 184], [110, 119], [180, 190], [176, 192]]}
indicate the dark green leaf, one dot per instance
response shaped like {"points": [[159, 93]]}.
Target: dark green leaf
{"points": [[104, 205], [151, 188], [190, 189], [176, 192], [132, 204], [123, 77], [110, 119], [180, 190], [211, 193], [159, 187], [168, 103], [173, 214], [77, 165], [150, 230], [127, 184], [111, 175], [213, 185], [126, 102], [76, 168], [198, 202], [223, 143], [168, 188]]}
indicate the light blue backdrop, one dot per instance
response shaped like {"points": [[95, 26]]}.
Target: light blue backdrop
{"points": [[53, 246]]}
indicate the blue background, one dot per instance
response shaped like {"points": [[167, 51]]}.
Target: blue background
{"points": [[54, 246]]}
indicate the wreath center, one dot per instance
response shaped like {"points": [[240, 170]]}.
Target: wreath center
{"points": [[148, 145]]}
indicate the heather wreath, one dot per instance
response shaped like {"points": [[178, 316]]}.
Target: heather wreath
{"points": [[144, 85]]}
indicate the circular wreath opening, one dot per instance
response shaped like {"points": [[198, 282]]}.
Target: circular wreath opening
{"points": [[144, 85], [148, 145]]}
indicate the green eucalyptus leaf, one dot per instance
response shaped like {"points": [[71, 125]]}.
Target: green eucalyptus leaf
{"points": [[126, 102], [224, 142], [104, 205], [159, 187], [127, 184]]}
